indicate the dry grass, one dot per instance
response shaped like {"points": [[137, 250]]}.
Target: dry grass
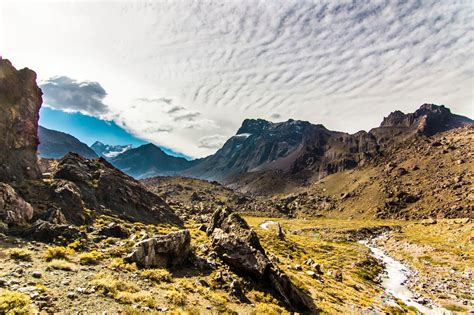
{"points": [[14, 303], [156, 275], [110, 285], [61, 264], [120, 265], [90, 258], [20, 254], [58, 252]]}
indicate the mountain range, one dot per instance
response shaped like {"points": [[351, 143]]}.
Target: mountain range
{"points": [[294, 150]]}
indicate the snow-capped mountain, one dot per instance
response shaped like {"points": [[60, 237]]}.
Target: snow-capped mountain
{"points": [[109, 151]]}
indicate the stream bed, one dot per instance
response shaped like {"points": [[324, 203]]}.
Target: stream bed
{"points": [[395, 281]]}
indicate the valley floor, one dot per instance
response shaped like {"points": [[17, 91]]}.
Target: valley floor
{"points": [[322, 256]]}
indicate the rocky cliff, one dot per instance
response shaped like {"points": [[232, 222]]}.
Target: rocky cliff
{"points": [[20, 101], [264, 155]]}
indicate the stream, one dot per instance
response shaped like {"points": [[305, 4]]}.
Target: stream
{"points": [[395, 279], [265, 224]]}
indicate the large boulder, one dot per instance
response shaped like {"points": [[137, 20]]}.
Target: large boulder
{"points": [[13, 209], [238, 246], [67, 196], [162, 251], [20, 101]]}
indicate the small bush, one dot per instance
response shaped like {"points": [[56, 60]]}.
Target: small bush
{"points": [[91, 258], [14, 302], [157, 275], [120, 264], [20, 254], [62, 264], [141, 297], [176, 298], [109, 285], [57, 252], [271, 309]]}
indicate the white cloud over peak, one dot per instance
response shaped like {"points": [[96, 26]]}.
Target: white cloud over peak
{"points": [[184, 74]]}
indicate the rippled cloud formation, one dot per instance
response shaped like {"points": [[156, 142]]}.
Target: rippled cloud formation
{"points": [[184, 74]]}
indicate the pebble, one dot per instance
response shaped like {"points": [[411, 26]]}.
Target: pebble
{"points": [[298, 267], [71, 295], [36, 274]]}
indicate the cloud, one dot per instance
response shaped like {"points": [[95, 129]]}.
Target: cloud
{"points": [[212, 142], [275, 116], [343, 64], [70, 95]]}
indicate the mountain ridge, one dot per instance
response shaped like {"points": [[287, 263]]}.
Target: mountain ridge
{"points": [[56, 144]]}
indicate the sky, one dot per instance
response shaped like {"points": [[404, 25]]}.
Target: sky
{"points": [[89, 129], [185, 74]]}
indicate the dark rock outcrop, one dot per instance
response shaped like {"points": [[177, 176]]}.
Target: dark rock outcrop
{"points": [[50, 232], [238, 246], [13, 209], [20, 101], [67, 197], [114, 230], [162, 251], [104, 187]]}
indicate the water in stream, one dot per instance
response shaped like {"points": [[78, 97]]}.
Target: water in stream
{"points": [[395, 281]]}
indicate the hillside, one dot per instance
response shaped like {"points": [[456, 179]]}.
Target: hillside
{"points": [[295, 153], [55, 145], [419, 178], [149, 160]]}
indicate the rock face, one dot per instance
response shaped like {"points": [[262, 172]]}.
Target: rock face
{"points": [[263, 153], [103, 187], [162, 251], [13, 209], [20, 101], [238, 246], [428, 120], [55, 145]]}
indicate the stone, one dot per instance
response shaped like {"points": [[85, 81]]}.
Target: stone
{"points": [[162, 251], [13, 209], [36, 274], [114, 230], [68, 198], [310, 273], [49, 232], [297, 267], [239, 247], [71, 295]]}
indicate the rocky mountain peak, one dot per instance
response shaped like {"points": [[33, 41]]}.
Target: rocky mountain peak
{"points": [[427, 120], [253, 126]]}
